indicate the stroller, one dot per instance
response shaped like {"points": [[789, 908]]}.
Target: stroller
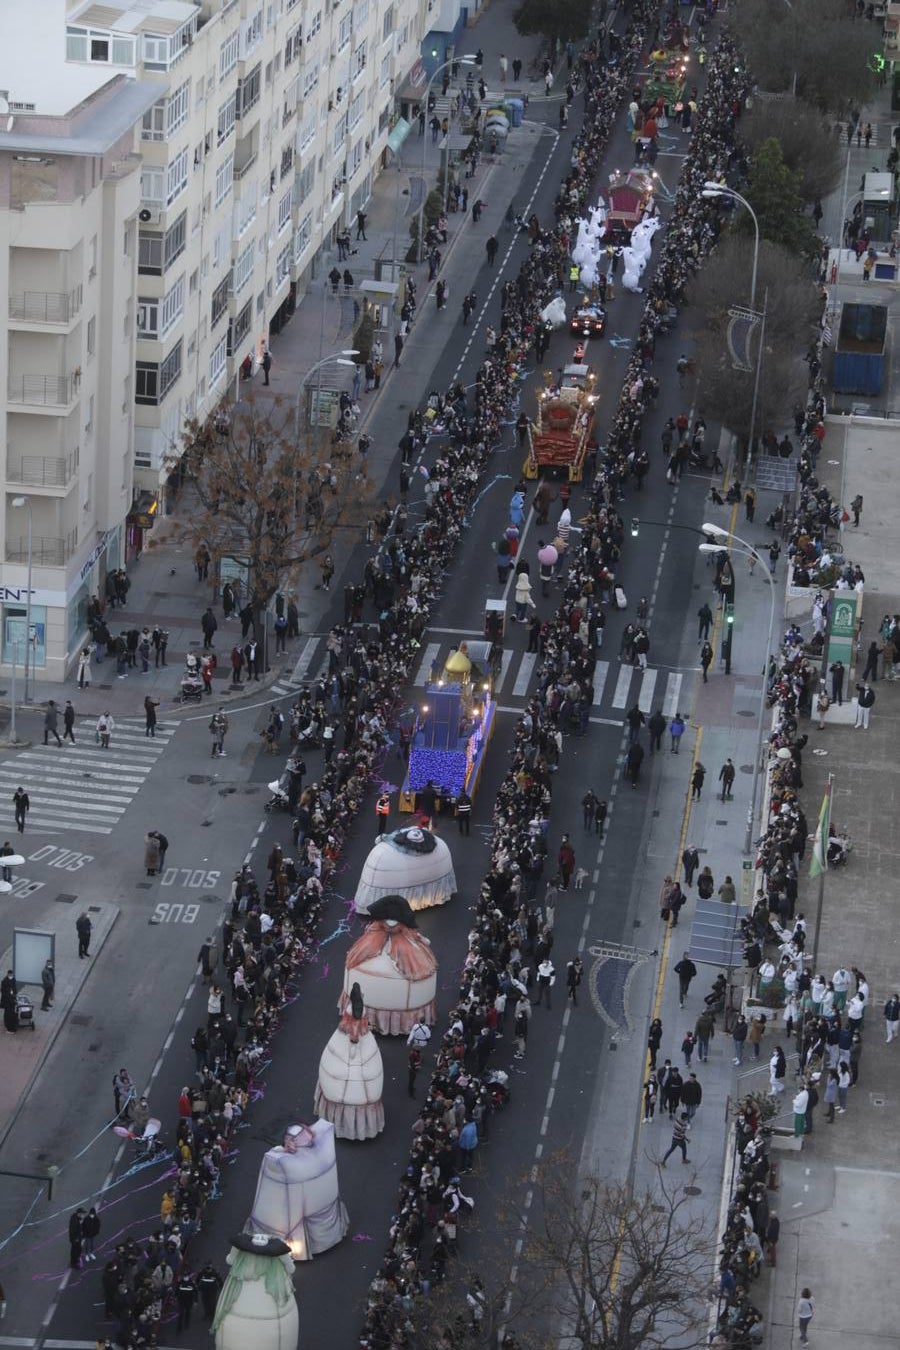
{"points": [[24, 1011], [191, 680]]}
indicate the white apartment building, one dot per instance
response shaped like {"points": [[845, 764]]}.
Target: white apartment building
{"points": [[171, 176]]}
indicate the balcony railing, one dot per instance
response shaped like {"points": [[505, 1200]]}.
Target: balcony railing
{"points": [[45, 550], [245, 168], [43, 390], [41, 470], [45, 306]]}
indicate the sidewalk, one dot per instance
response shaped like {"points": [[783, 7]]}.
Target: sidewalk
{"points": [[23, 1055]]}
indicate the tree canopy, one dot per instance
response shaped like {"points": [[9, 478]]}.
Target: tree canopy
{"points": [[267, 499], [556, 20], [773, 192], [813, 44], [793, 306], [809, 147]]}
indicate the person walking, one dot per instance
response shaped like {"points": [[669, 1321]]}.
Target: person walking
{"points": [[690, 861], [804, 1314], [756, 1033], [706, 656], [208, 625], [799, 1105], [831, 1095], [218, 727], [48, 984], [490, 249], [704, 1030], [186, 1293], [51, 722], [90, 1231], [150, 706], [726, 778], [382, 811], [691, 1096], [21, 807], [705, 618], [83, 929], [865, 698], [464, 812], [105, 728], [574, 971], [413, 1065], [856, 507], [84, 668], [680, 1130], [685, 970], [565, 860], [739, 1036], [656, 725], [69, 722], [676, 731], [209, 1283], [361, 225], [75, 1239], [266, 365], [546, 977], [697, 778], [892, 1017]]}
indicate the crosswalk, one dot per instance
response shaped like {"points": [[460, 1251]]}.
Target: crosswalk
{"points": [[650, 689], [82, 787]]}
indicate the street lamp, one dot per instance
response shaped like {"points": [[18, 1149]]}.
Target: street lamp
{"points": [[453, 61], [340, 359], [711, 190], [19, 502], [747, 549]]}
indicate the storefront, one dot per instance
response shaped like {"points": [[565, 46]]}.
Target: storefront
{"points": [[140, 519]]}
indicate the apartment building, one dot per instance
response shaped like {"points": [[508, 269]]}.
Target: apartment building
{"points": [[172, 175]]}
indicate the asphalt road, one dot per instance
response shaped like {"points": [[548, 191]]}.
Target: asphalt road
{"points": [[127, 1011]]}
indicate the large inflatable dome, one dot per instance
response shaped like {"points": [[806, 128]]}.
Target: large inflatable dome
{"points": [[351, 1076], [297, 1196], [395, 969], [413, 863]]}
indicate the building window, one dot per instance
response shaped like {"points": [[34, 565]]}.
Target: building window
{"points": [[150, 254], [292, 47], [284, 209], [387, 23], [227, 118], [148, 319], [177, 176], [239, 329], [356, 156], [243, 268], [315, 24], [251, 34], [287, 159], [91, 338], [302, 236], [308, 130], [220, 300], [357, 108], [153, 186], [249, 90], [228, 54], [153, 126], [146, 382], [175, 240], [224, 179], [172, 306], [310, 79], [385, 72], [178, 105], [217, 362], [304, 182], [283, 263], [344, 31], [169, 370], [359, 60], [83, 44], [340, 134]]}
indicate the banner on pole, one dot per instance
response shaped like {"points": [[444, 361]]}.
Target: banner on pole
{"points": [[819, 860], [741, 323]]}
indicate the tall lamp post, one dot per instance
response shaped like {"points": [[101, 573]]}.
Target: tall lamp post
{"points": [[29, 647], [454, 61], [340, 359], [725, 536]]}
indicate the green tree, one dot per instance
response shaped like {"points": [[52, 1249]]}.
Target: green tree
{"points": [[267, 498], [809, 146], [773, 192], [793, 306], [813, 48], [556, 20]]}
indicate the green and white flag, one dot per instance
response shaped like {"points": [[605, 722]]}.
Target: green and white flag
{"points": [[819, 860]]}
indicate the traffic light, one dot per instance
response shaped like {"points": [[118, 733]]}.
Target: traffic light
{"points": [[729, 614], [635, 526]]}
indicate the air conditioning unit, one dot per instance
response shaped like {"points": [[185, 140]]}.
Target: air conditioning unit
{"points": [[150, 215]]}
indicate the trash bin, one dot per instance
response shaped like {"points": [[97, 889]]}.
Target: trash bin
{"points": [[516, 109]]}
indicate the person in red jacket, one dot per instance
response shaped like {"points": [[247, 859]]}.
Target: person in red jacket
{"points": [[566, 861]]}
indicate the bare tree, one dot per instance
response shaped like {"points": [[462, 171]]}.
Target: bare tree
{"points": [[808, 144], [628, 1270], [792, 310], [814, 48], [267, 499]]}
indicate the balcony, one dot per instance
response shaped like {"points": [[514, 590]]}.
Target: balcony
{"points": [[52, 309], [42, 471], [245, 167], [43, 392], [46, 551]]}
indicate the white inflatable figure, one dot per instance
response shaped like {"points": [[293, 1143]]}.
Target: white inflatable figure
{"points": [[634, 265], [297, 1197], [351, 1076], [256, 1306], [554, 314], [413, 863], [395, 968]]}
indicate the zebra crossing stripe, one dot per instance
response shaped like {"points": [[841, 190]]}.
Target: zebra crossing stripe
{"points": [[673, 694], [304, 661], [623, 684], [529, 660], [428, 659], [648, 684], [601, 672], [505, 663]]}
